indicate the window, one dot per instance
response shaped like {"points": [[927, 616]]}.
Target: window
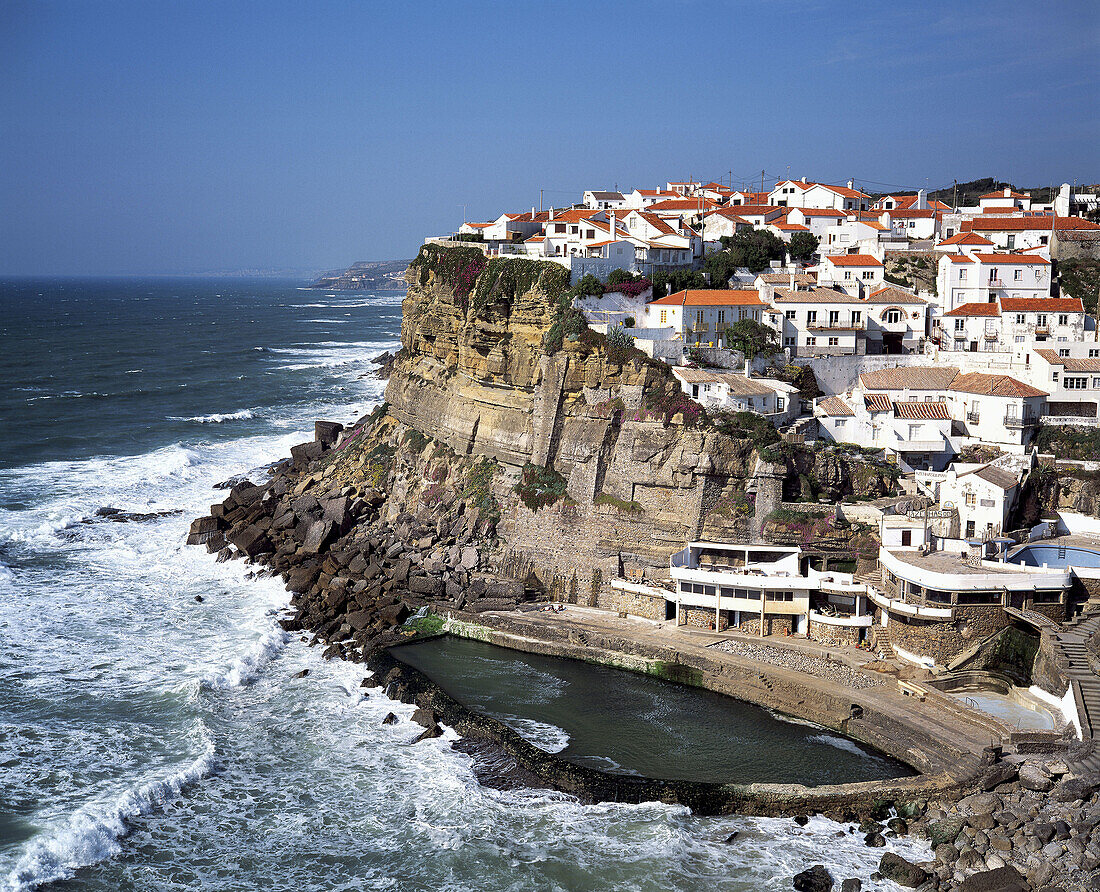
{"points": [[893, 317], [857, 317], [847, 274], [988, 503], [1063, 352], [1020, 339], [1063, 319], [788, 342], [1040, 319], [868, 274], [960, 325], [699, 315], [1020, 318], [664, 316], [1011, 242], [1075, 383], [811, 317], [559, 227], [834, 317], [1017, 275], [1094, 353], [1095, 383], [971, 500], [1043, 239], [790, 314], [962, 275], [721, 316], [834, 342], [1054, 377], [811, 341], [839, 423]]}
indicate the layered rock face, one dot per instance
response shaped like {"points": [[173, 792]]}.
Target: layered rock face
{"points": [[639, 479]]}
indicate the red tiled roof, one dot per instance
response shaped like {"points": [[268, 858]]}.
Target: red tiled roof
{"points": [[683, 204], [959, 258], [892, 294], [914, 377], [835, 407], [1042, 305], [710, 297], [975, 309], [1017, 224], [854, 260], [1011, 194], [993, 385], [928, 410], [877, 402], [1011, 258], [966, 238], [906, 213], [1071, 365], [820, 212], [791, 227]]}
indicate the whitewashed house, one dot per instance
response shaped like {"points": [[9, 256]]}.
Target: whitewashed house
{"points": [[700, 316], [604, 200], [817, 220], [1071, 376], [734, 392], [855, 273], [996, 409], [983, 277], [982, 494]]}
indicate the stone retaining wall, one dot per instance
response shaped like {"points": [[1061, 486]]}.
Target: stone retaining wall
{"points": [[837, 636]]}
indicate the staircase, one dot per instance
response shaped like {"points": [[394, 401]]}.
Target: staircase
{"points": [[1072, 641], [880, 640], [874, 578]]}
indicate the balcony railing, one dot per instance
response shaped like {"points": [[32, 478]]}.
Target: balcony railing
{"points": [[996, 283], [858, 325], [1042, 329], [973, 416], [1012, 421]]}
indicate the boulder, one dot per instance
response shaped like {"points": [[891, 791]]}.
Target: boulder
{"points": [[1032, 777], [898, 870], [875, 840], [390, 719], [1072, 788], [998, 774], [946, 853], [250, 540], [469, 558], [980, 804], [426, 585], [851, 885], [359, 619], [425, 717], [338, 510], [1002, 879], [326, 432], [318, 536], [943, 831], [429, 733], [302, 577], [305, 453], [814, 879], [395, 614], [246, 493], [203, 529]]}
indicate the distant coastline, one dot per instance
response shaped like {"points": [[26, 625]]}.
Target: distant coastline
{"points": [[365, 275]]}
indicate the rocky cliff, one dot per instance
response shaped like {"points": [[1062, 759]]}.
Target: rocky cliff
{"points": [[518, 453]]}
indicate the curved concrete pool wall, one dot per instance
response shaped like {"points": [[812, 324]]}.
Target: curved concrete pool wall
{"points": [[946, 769]]}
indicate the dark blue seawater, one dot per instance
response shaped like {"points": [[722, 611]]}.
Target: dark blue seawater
{"points": [[151, 741]]}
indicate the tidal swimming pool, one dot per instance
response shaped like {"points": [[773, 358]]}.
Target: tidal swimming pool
{"points": [[633, 724]]}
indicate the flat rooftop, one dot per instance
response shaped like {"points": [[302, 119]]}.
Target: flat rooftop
{"points": [[952, 562]]}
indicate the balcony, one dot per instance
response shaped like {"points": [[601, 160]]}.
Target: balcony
{"points": [[996, 283], [1042, 329], [991, 335], [1014, 423], [858, 325], [973, 417]]}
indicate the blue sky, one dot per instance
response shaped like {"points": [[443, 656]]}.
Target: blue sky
{"points": [[188, 136]]}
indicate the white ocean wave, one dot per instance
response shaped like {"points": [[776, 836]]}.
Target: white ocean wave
{"points": [[548, 738], [92, 833], [215, 417], [245, 669], [840, 743]]}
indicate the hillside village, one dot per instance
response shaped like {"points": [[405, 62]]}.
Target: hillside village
{"points": [[982, 358]]}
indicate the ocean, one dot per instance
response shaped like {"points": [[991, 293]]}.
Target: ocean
{"points": [[150, 740]]}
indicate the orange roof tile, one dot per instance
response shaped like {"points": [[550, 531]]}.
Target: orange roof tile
{"points": [[710, 297], [966, 238], [982, 384], [975, 309], [854, 260], [1042, 305], [928, 410], [1012, 258]]}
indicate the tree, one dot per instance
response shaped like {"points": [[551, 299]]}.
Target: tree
{"points": [[589, 284], [1080, 277], [754, 249], [665, 283], [752, 338], [802, 246], [720, 266]]}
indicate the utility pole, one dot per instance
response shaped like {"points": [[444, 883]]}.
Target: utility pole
{"points": [[955, 198], [540, 199], [761, 189]]}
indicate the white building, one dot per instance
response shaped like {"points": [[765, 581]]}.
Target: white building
{"points": [[983, 277], [1071, 375], [805, 194], [700, 316], [733, 392], [855, 273], [983, 494]]}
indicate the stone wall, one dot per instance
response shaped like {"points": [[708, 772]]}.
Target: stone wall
{"points": [[635, 604], [945, 640], [837, 636], [773, 625]]}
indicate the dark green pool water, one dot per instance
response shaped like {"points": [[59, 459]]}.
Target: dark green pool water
{"points": [[635, 724]]}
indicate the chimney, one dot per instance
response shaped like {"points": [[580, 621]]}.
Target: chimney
{"points": [[803, 179], [532, 212], [551, 217], [792, 280], [1008, 192], [851, 184], [922, 201], [613, 223]]}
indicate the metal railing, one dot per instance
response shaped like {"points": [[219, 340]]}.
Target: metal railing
{"points": [[973, 416], [1025, 421]]}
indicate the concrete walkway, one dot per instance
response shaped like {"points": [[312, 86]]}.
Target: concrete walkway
{"points": [[1072, 640]]}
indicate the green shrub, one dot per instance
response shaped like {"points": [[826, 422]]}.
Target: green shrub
{"points": [[568, 323], [630, 507], [377, 464], [540, 487], [629, 322], [619, 345], [478, 491], [589, 285], [415, 441]]}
